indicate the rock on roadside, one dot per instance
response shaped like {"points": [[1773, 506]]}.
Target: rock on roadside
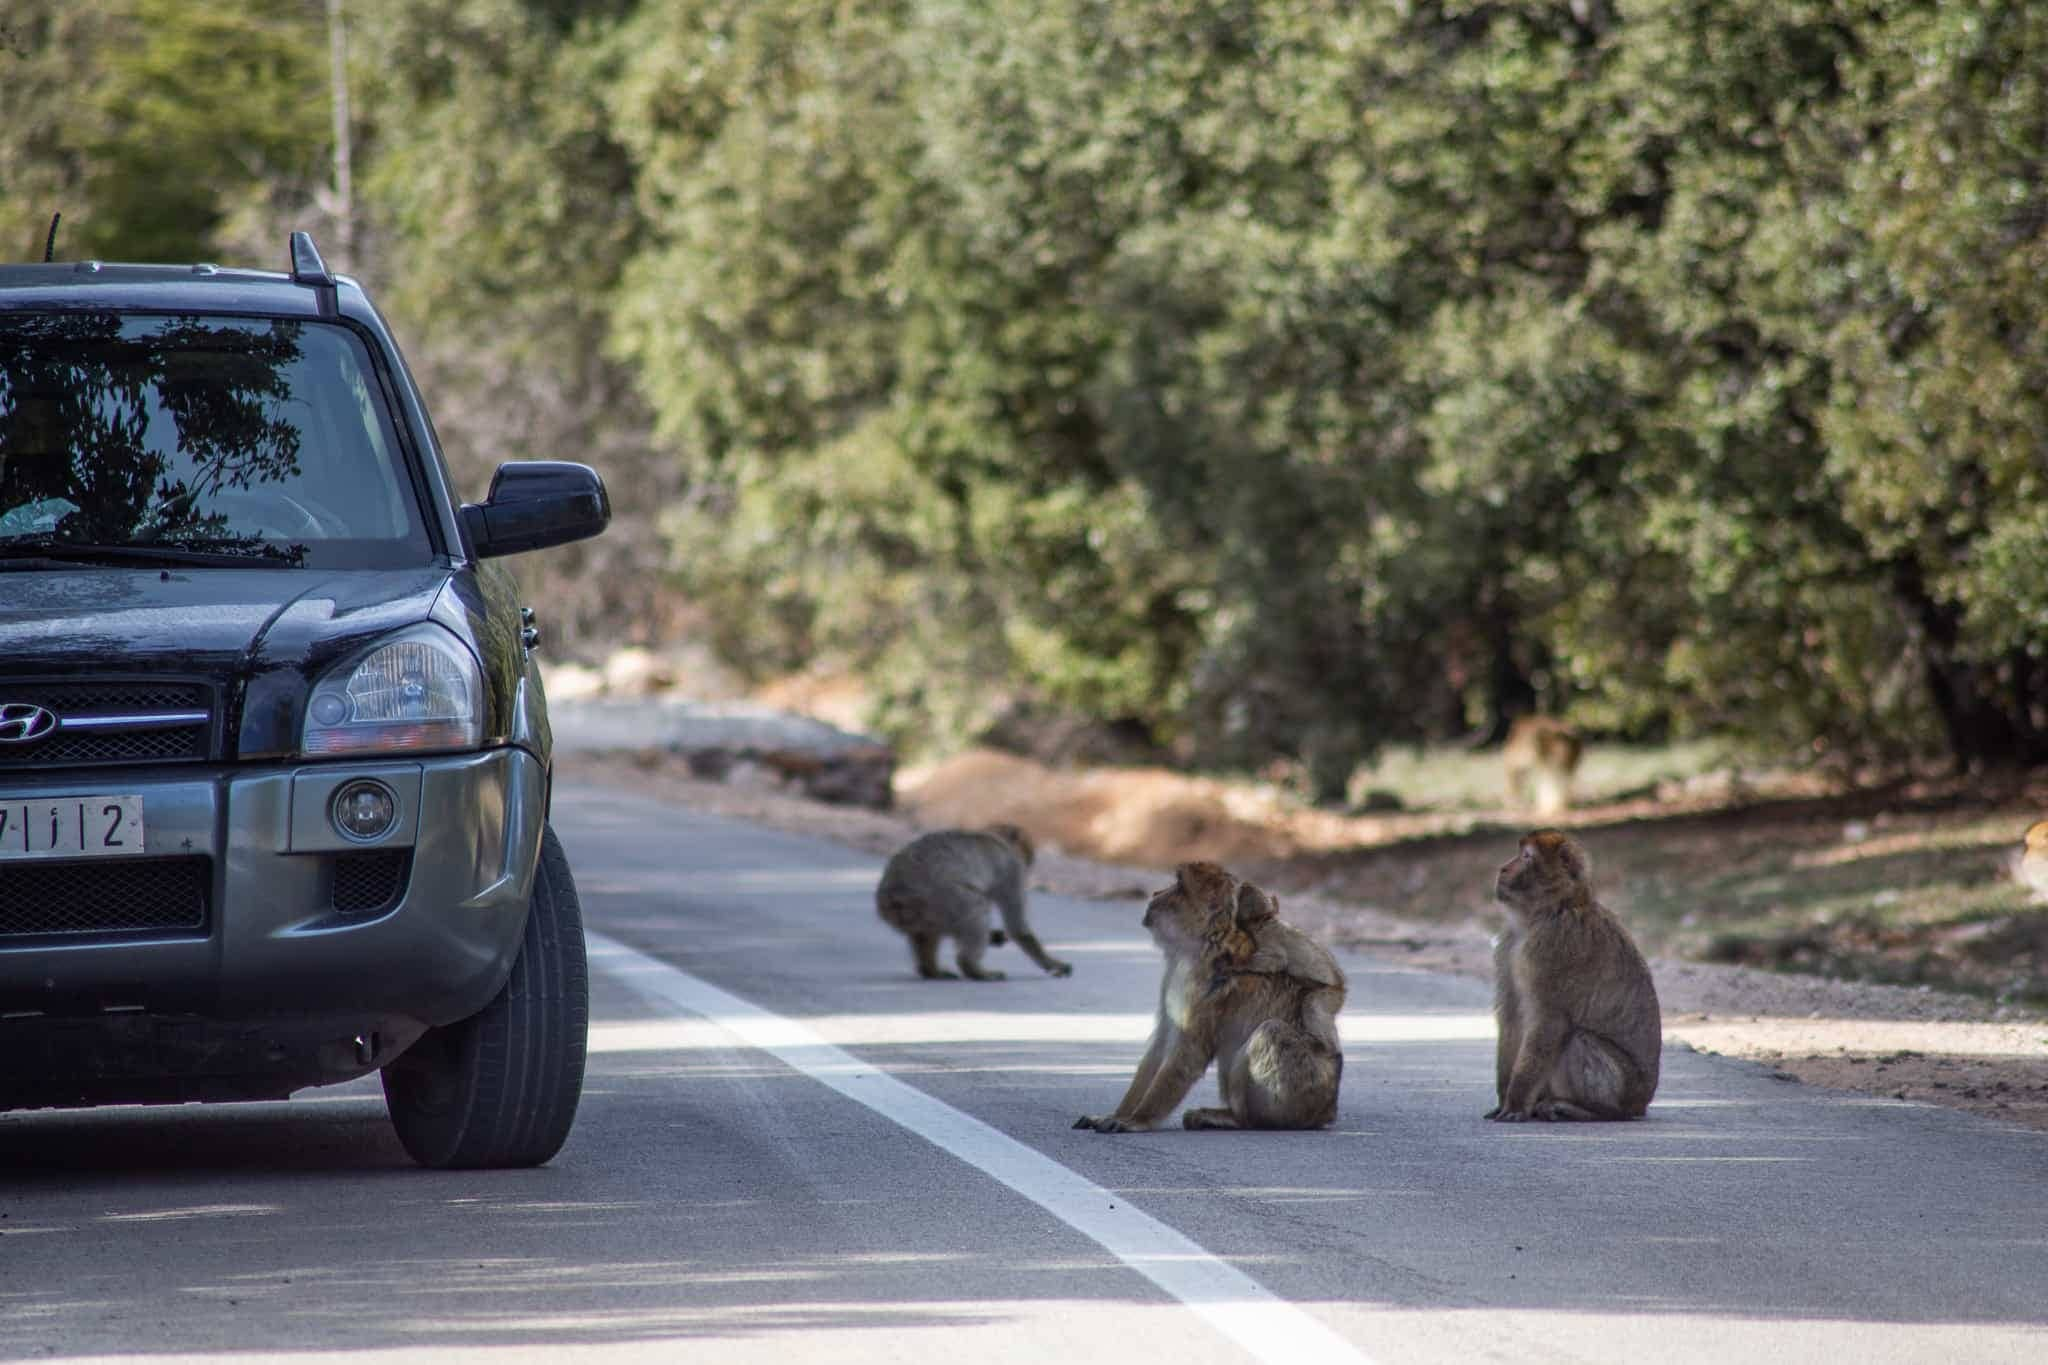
{"points": [[734, 743]]}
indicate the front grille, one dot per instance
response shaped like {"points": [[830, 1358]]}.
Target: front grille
{"points": [[365, 883], [98, 694], [134, 700], [114, 897], [121, 746]]}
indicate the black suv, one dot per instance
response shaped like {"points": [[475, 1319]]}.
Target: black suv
{"points": [[274, 758]]}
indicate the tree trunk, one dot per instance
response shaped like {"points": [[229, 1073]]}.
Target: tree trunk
{"points": [[1510, 691], [1984, 717]]}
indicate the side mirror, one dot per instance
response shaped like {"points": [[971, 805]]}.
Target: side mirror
{"points": [[535, 504]]}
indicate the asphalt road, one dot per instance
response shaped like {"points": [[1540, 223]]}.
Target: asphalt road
{"points": [[791, 1149]]}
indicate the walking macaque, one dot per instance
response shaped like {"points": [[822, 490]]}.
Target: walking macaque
{"points": [[1580, 1031], [1538, 760], [941, 885], [1246, 990]]}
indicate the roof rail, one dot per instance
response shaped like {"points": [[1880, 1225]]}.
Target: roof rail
{"points": [[307, 267]]}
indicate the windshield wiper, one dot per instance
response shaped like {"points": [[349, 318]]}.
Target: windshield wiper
{"points": [[40, 552]]}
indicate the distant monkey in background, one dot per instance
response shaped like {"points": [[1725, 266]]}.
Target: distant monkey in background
{"points": [[1538, 760], [1246, 990], [1581, 1035], [944, 885], [2032, 866]]}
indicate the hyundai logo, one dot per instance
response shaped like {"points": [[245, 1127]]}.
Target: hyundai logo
{"points": [[21, 723]]}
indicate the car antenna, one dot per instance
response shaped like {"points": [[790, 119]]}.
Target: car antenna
{"points": [[50, 242], [308, 268]]}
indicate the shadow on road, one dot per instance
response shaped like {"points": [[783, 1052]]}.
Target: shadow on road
{"points": [[707, 1194]]}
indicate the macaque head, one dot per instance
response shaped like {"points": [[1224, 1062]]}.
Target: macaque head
{"points": [[1207, 907], [1549, 870], [2037, 838]]}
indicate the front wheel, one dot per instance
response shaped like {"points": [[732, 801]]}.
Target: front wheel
{"points": [[500, 1088]]}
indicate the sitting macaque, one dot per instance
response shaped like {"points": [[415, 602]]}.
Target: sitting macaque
{"points": [[943, 885], [1538, 761], [1581, 1035], [1246, 990]]}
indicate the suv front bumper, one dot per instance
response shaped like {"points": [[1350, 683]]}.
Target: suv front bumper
{"points": [[317, 957]]}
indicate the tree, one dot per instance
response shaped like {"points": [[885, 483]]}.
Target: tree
{"points": [[1278, 378], [501, 209], [158, 126], [1833, 510]]}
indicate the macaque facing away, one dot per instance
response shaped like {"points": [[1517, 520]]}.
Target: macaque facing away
{"points": [[1245, 990], [944, 884], [1537, 763], [1581, 1035]]}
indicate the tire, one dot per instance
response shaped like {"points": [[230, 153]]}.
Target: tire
{"points": [[500, 1088]]}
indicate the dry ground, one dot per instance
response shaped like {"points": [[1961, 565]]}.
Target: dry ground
{"points": [[1340, 873]]}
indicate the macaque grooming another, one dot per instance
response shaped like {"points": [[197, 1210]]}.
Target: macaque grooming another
{"points": [[1245, 990], [1580, 1031]]}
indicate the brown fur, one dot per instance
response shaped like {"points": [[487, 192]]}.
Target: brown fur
{"points": [[2033, 862], [1581, 1035], [943, 885], [1246, 990], [1537, 762]]}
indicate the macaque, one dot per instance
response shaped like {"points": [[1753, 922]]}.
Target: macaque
{"points": [[1538, 760], [2032, 868], [1580, 1031], [1245, 990], [943, 885]]}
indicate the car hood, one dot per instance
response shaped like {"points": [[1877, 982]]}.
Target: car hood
{"points": [[218, 622]]}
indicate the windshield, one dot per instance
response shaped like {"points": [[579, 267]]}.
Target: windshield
{"points": [[240, 436]]}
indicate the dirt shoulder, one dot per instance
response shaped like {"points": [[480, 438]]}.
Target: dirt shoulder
{"points": [[1903, 1043]]}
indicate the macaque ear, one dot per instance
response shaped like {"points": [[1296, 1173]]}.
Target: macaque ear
{"points": [[1254, 906]]}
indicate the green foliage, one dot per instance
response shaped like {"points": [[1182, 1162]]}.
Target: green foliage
{"points": [[1296, 377], [1853, 393], [492, 161], [152, 124], [1288, 377]]}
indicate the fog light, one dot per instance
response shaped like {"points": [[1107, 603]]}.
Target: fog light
{"points": [[365, 810]]}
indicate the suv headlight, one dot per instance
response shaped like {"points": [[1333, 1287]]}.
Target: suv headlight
{"points": [[417, 690]]}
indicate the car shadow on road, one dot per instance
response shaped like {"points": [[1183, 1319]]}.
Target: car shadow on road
{"points": [[328, 1131]]}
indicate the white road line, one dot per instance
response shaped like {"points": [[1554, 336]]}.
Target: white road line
{"points": [[1267, 1326]]}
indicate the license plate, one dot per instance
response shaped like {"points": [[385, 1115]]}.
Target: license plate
{"points": [[70, 827]]}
